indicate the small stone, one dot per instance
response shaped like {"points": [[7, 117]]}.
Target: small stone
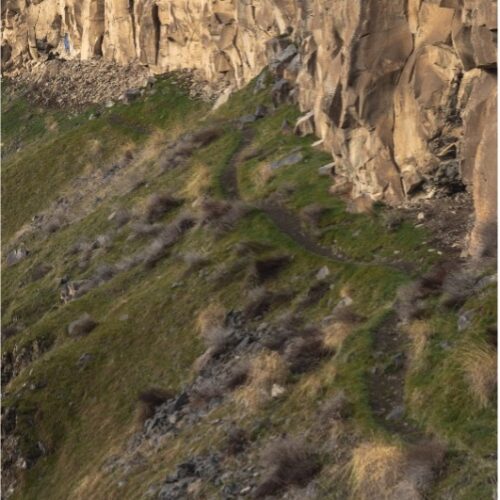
{"points": [[421, 216], [84, 360], [326, 170], [247, 119], [323, 273], [245, 490], [277, 390], [15, 256], [464, 320], [396, 413], [287, 161]]}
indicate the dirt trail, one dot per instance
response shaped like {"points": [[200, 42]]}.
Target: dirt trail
{"points": [[387, 381], [285, 220]]}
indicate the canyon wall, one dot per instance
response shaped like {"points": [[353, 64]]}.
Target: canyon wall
{"points": [[402, 92]]}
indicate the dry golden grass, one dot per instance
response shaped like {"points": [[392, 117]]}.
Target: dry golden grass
{"points": [[479, 362], [312, 385], [419, 332], [266, 370], [198, 183], [376, 470], [336, 333], [263, 175], [380, 471], [210, 318]]}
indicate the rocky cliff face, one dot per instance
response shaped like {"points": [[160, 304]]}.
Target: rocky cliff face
{"points": [[402, 92]]}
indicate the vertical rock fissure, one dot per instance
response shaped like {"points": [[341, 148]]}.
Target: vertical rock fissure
{"points": [[132, 17], [157, 26]]}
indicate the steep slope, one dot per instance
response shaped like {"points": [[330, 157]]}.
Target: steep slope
{"points": [[402, 92], [239, 331]]}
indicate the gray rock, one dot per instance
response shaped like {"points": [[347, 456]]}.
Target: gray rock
{"points": [[280, 92], [287, 161], [247, 119], [82, 326], [326, 170], [260, 83], [486, 281], [84, 360], [464, 320], [131, 95], [323, 273], [261, 111], [287, 55], [15, 256], [396, 413]]}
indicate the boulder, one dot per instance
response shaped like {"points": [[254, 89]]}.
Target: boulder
{"points": [[15, 256], [81, 326], [291, 159], [326, 170]]}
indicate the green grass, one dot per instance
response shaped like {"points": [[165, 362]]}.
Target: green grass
{"points": [[41, 171], [84, 416]]}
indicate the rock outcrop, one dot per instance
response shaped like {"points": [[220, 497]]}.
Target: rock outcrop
{"points": [[402, 92]]}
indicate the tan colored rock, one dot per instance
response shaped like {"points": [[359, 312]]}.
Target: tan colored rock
{"points": [[383, 78], [304, 125], [479, 153]]}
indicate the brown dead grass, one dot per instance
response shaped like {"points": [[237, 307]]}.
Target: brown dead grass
{"points": [[198, 183], [381, 471], [265, 370], [376, 469], [336, 333], [419, 332], [287, 461], [479, 362], [211, 317], [263, 175]]}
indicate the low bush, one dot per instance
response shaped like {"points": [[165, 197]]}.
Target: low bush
{"points": [[288, 461], [149, 400]]}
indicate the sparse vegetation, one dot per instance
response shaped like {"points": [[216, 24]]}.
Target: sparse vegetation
{"points": [[233, 314], [288, 461], [266, 370], [479, 362], [158, 205], [149, 400]]}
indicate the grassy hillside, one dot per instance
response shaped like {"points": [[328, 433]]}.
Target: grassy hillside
{"points": [[332, 343]]}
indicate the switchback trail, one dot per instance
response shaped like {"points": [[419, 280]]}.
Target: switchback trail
{"points": [[386, 382], [285, 220]]}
